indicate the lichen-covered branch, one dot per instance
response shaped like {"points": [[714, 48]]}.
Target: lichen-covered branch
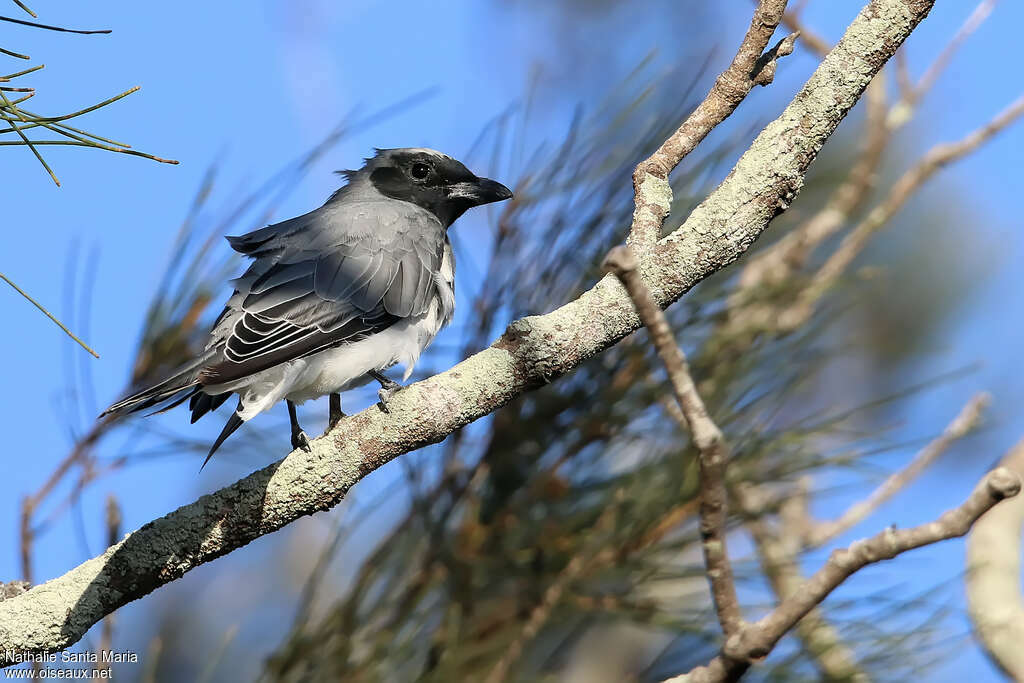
{"points": [[789, 254], [532, 351]]}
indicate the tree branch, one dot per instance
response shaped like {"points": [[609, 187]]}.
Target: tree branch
{"points": [[910, 96], [652, 193], [779, 547], [532, 351], [962, 424], [707, 437], [937, 158], [778, 552], [778, 262], [757, 640]]}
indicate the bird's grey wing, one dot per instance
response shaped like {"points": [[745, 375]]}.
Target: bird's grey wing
{"points": [[323, 285]]}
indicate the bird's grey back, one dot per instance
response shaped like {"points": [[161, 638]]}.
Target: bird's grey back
{"points": [[355, 265]]}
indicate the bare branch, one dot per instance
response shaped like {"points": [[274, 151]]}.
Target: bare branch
{"points": [[994, 598], [49, 315], [707, 437], [903, 109], [778, 552], [966, 421], [808, 38], [853, 244], [756, 640], [532, 351], [653, 195], [23, 6]]}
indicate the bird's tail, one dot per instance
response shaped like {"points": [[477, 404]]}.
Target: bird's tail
{"points": [[177, 388]]}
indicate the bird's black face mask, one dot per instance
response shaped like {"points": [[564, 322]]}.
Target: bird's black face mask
{"points": [[436, 183]]}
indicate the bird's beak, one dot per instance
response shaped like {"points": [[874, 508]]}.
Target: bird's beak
{"points": [[479, 191]]}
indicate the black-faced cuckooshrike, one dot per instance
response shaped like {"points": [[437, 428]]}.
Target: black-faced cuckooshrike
{"points": [[334, 296]]}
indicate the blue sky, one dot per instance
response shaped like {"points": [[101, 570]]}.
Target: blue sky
{"points": [[252, 86]]}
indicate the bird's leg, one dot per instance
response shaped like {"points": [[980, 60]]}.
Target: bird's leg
{"points": [[335, 415], [388, 387], [299, 438]]}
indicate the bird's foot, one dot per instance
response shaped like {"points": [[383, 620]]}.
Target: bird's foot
{"points": [[335, 415], [388, 388], [300, 440], [385, 394]]}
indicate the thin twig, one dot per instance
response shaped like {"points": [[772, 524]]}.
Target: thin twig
{"points": [[23, 72], [756, 640], [902, 110], [48, 314], [853, 244], [778, 552], [17, 55], [808, 38], [48, 27], [10, 107], [65, 131], [707, 437], [62, 127], [65, 117], [23, 6], [750, 67], [966, 421]]}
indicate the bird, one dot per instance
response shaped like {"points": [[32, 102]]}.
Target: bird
{"points": [[333, 297]]}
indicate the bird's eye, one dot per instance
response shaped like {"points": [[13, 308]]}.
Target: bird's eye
{"points": [[419, 171]]}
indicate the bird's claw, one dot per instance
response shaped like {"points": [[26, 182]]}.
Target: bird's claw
{"points": [[300, 440], [388, 388], [385, 394]]}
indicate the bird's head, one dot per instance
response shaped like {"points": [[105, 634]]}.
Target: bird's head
{"points": [[431, 180]]}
